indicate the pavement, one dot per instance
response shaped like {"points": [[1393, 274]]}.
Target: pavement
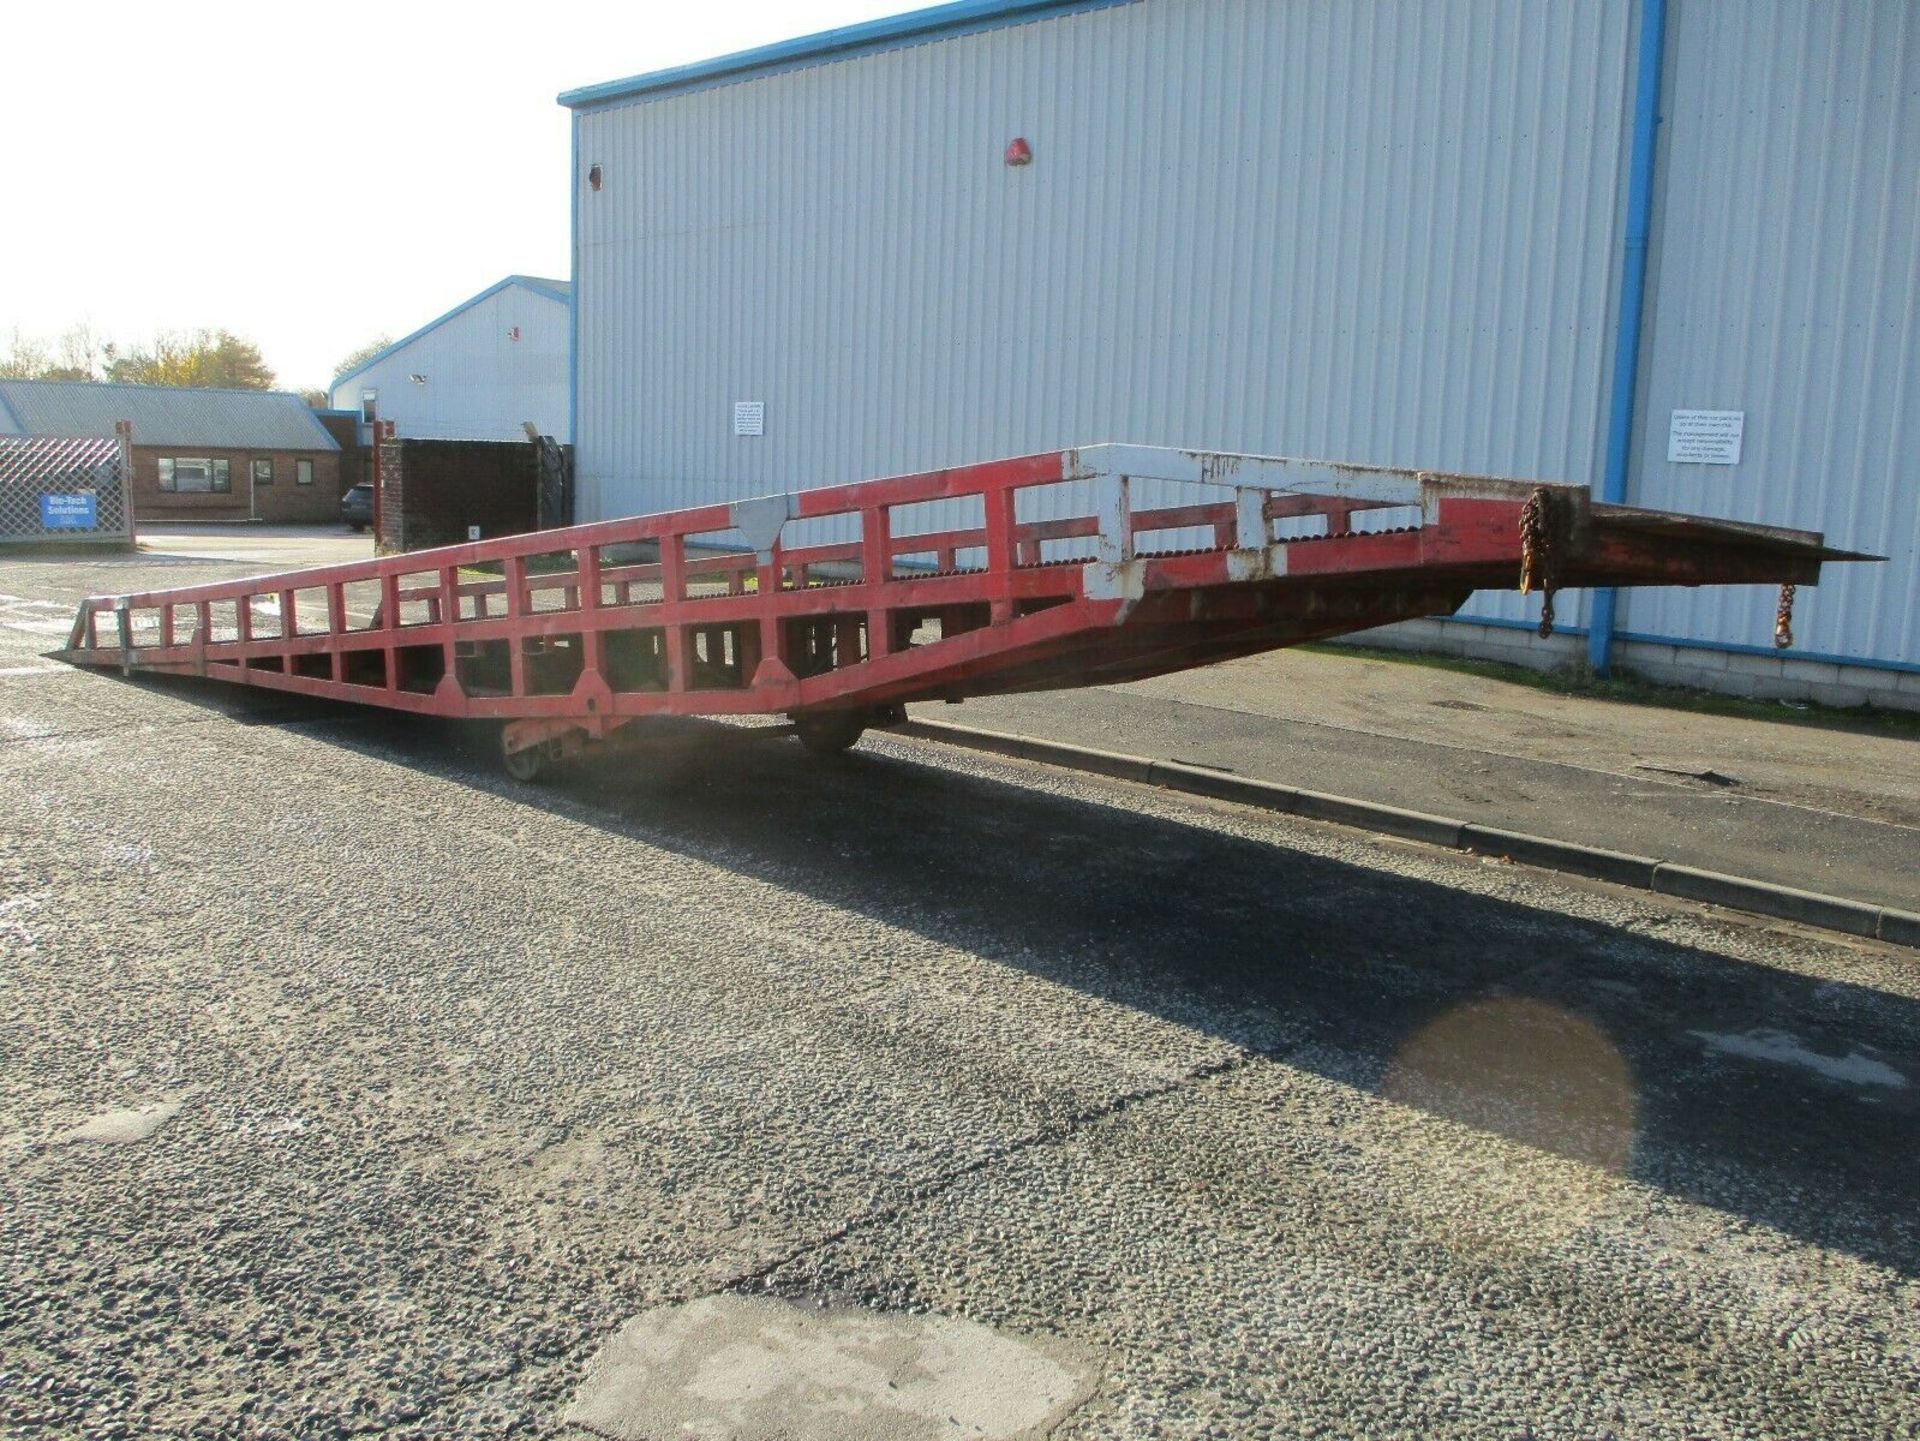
{"points": [[272, 547], [1817, 809], [348, 1088]]}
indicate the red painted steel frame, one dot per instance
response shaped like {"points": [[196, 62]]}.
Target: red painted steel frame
{"points": [[575, 632]]}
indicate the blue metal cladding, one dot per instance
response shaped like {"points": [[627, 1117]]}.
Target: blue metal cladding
{"points": [[1382, 233], [573, 290], [1786, 285], [1379, 232]]}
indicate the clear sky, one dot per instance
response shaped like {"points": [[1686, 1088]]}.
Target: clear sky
{"points": [[174, 164]]}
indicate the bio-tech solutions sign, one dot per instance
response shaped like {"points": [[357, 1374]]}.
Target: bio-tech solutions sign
{"points": [[68, 512]]}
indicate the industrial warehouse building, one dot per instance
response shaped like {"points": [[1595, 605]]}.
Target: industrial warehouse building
{"points": [[199, 454], [480, 372], [1458, 236]]}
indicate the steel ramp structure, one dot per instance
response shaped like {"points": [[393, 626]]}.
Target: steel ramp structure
{"points": [[837, 606]]}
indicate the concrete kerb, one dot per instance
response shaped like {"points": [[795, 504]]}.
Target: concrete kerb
{"points": [[1649, 873], [1031, 748], [1808, 907], [1601, 865], [1900, 927]]}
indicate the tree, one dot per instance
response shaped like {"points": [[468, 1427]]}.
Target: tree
{"points": [[26, 358], [215, 358], [79, 355], [363, 354]]}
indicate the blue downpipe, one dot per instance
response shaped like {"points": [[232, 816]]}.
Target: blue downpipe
{"points": [[1633, 287]]}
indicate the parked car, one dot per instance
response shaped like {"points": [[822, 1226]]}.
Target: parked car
{"points": [[356, 507]]}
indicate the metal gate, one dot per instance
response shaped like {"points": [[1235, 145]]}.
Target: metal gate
{"points": [[64, 488]]}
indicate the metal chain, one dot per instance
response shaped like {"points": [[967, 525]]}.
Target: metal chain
{"points": [[1783, 618], [1542, 519]]}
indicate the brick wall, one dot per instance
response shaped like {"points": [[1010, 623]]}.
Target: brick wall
{"points": [[284, 500], [431, 491]]}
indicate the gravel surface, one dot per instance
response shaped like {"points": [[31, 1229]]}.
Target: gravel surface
{"points": [[347, 1088]]}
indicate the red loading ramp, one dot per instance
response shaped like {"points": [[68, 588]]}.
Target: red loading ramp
{"points": [[839, 605]]}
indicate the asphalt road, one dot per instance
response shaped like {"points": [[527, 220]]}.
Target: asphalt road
{"points": [[346, 1087]]}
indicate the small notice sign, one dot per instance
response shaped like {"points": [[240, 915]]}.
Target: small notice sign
{"points": [[749, 417], [68, 512], [1705, 437]]}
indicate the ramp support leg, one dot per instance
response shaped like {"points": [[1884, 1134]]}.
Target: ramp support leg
{"points": [[1001, 557], [876, 566]]}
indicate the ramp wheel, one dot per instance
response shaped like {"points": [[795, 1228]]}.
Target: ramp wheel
{"points": [[533, 764], [827, 733]]}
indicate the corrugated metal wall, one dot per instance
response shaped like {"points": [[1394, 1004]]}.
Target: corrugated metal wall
{"points": [[1786, 284], [1377, 232], [480, 384]]}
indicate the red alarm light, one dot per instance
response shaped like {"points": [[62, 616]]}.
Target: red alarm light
{"points": [[1019, 152]]}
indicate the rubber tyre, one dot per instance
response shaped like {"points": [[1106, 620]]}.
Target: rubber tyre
{"points": [[829, 733], [532, 765]]}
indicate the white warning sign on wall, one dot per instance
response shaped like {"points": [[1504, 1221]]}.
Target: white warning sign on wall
{"points": [[1705, 437], [749, 417]]}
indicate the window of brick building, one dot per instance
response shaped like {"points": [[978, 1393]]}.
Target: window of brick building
{"points": [[195, 474], [263, 471], [303, 472]]}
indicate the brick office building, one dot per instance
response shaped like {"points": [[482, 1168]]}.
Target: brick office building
{"points": [[198, 454]]}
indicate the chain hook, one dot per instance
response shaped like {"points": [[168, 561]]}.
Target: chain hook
{"points": [[1542, 519]]}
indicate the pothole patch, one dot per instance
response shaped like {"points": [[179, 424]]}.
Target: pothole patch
{"points": [[117, 1128], [749, 1368]]}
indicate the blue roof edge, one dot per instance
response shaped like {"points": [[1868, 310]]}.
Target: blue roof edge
{"points": [[527, 282], [965, 17], [540, 285]]}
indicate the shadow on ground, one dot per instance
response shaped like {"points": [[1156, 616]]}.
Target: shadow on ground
{"points": [[1786, 1099]]}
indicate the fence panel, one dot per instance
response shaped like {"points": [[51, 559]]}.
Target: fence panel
{"points": [[64, 488]]}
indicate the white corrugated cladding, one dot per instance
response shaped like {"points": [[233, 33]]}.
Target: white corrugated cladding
{"points": [[1786, 284], [485, 367], [1381, 233]]}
